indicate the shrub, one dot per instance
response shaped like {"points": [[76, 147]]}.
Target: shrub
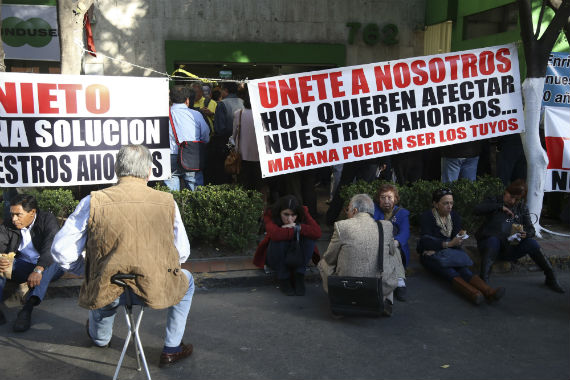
{"points": [[416, 197], [467, 194], [60, 202], [219, 213]]}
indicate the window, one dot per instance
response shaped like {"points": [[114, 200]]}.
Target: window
{"points": [[489, 22]]}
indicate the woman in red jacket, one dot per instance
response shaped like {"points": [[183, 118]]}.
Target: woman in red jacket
{"points": [[281, 223]]}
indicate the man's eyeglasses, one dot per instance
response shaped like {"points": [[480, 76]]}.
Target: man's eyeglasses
{"points": [[445, 192]]}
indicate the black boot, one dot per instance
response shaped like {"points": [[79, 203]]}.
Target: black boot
{"points": [[544, 264], [299, 284], [286, 288], [487, 260], [24, 318]]}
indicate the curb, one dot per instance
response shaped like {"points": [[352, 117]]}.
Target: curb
{"points": [[245, 278], [69, 287]]}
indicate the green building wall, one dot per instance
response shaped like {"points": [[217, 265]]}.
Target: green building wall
{"points": [[456, 10]]}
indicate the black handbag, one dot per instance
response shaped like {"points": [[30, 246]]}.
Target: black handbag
{"points": [[358, 296], [191, 154], [294, 257]]}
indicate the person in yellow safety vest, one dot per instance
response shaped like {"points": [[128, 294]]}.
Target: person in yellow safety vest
{"points": [[206, 106]]}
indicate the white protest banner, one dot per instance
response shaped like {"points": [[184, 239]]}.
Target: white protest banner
{"points": [[309, 120], [556, 91], [557, 137], [63, 130]]}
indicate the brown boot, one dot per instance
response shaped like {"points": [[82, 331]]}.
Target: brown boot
{"points": [[467, 290], [492, 294]]}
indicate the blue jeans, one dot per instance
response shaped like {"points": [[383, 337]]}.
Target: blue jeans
{"points": [[101, 320], [276, 257], [21, 270], [449, 273], [199, 178], [492, 246], [454, 168], [190, 178]]}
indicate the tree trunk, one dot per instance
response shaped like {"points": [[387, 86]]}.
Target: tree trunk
{"points": [[70, 18], [535, 155], [537, 51]]}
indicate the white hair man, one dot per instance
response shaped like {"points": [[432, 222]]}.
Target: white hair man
{"points": [[353, 249], [130, 228]]}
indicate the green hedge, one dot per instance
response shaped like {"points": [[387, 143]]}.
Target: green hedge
{"points": [[229, 215], [223, 214], [416, 197], [60, 202]]}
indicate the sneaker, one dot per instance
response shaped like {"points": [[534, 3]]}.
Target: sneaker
{"points": [[400, 293]]}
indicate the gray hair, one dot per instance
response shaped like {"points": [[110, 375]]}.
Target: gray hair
{"points": [[133, 161], [363, 203]]}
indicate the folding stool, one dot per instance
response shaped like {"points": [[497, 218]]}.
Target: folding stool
{"points": [[132, 326]]}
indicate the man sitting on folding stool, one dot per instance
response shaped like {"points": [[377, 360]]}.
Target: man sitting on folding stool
{"points": [[130, 228]]}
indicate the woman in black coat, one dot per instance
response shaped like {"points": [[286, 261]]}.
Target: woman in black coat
{"points": [[507, 233], [440, 242]]}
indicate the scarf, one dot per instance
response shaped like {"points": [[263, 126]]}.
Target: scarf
{"points": [[445, 226]]}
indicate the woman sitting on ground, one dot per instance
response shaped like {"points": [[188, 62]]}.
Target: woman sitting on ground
{"points": [[354, 252], [440, 249], [281, 224], [387, 209], [508, 232]]}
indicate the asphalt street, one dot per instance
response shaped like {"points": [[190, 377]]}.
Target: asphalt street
{"points": [[258, 333]]}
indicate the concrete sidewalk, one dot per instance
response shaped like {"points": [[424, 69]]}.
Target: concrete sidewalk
{"points": [[237, 271], [240, 271]]}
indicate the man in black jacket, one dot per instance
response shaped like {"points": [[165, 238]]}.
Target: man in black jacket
{"points": [[508, 232], [34, 231]]}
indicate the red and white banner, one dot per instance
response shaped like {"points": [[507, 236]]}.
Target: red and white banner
{"points": [[557, 136], [63, 130], [309, 120]]}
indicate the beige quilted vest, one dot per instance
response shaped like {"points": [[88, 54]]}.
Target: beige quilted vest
{"points": [[131, 230]]}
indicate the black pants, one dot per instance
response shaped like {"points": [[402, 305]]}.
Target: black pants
{"points": [[214, 172], [276, 257]]}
